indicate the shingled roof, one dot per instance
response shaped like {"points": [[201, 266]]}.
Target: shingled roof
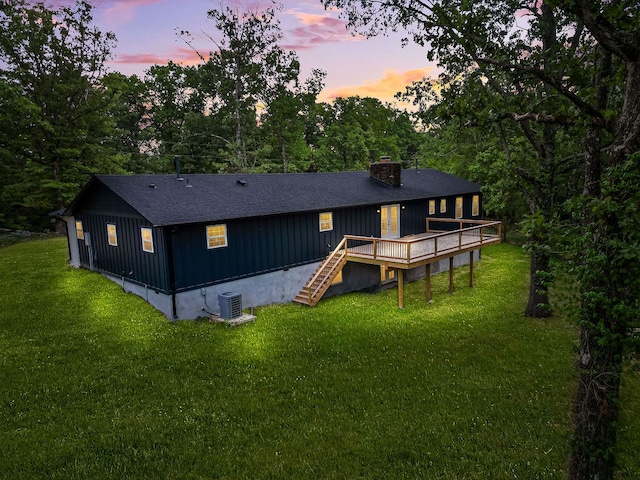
{"points": [[165, 200]]}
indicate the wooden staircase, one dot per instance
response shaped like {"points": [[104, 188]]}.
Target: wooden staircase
{"points": [[321, 280]]}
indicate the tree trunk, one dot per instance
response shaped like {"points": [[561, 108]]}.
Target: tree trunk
{"points": [[538, 303], [608, 290], [239, 139]]}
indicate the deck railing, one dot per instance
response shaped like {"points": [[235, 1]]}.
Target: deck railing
{"points": [[449, 224], [430, 244]]}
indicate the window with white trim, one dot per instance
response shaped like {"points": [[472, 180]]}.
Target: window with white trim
{"points": [[326, 221], [475, 206], [112, 236], [216, 236], [432, 207], [79, 230], [458, 207], [443, 205], [147, 239]]}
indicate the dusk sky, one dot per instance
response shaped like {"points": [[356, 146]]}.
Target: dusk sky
{"points": [[147, 34]]}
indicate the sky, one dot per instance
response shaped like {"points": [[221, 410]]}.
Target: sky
{"points": [[147, 34]]}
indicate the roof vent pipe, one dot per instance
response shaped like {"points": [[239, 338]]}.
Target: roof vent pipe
{"points": [[176, 164]]}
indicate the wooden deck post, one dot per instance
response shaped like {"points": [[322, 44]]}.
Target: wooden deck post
{"points": [[400, 273], [471, 268], [428, 279], [451, 289]]}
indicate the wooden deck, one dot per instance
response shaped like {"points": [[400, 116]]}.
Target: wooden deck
{"points": [[421, 249], [444, 238]]}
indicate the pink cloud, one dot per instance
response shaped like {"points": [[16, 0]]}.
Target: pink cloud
{"points": [[183, 56], [383, 88], [317, 30]]}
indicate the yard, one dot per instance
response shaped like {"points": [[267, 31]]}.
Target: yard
{"points": [[94, 383]]}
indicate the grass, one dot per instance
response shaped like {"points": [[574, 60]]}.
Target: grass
{"points": [[94, 383]]}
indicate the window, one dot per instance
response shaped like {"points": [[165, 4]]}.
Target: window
{"points": [[458, 207], [338, 278], [216, 236], [432, 207], [147, 239], [443, 205], [79, 230], [475, 206], [326, 221], [111, 234]]}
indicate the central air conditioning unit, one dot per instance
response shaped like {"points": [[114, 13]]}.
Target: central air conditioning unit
{"points": [[230, 305]]}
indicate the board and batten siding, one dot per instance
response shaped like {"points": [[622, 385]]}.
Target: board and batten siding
{"points": [[260, 245], [127, 258], [102, 207], [265, 244]]}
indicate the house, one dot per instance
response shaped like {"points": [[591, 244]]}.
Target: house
{"points": [[179, 242]]}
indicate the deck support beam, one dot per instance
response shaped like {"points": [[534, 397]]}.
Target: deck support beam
{"points": [[427, 276], [400, 276], [471, 269], [451, 288]]}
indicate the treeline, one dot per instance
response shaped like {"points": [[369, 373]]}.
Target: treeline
{"points": [[550, 92], [244, 107], [538, 101]]}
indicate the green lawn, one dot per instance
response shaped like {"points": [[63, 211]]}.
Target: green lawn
{"points": [[94, 383]]}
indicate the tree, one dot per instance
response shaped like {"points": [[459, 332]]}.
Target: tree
{"points": [[286, 118], [591, 60], [358, 131], [493, 102], [17, 115], [247, 67], [54, 59], [129, 111]]}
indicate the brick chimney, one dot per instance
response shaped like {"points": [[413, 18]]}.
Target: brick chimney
{"points": [[386, 172]]}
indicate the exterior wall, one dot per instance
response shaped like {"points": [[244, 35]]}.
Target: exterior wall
{"points": [[256, 246], [413, 215], [275, 287], [271, 288], [74, 251], [356, 277], [261, 245], [127, 259], [161, 301], [267, 260]]}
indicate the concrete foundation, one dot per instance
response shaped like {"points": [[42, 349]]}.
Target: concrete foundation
{"points": [[275, 287]]}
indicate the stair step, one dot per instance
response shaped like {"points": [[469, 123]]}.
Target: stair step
{"points": [[302, 300], [321, 283]]}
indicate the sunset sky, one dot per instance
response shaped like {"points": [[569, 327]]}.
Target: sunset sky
{"points": [[147, 35]]}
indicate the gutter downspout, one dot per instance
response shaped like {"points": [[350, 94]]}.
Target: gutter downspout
{"points": [[172, 270]]}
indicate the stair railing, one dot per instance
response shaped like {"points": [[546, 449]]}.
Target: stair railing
{"points": [[310, 291]]}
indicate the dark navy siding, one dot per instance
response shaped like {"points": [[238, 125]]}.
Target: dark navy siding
{"points": [[413, 217], [467, 207], [262, 245], [255, 245], [127, 258]]}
